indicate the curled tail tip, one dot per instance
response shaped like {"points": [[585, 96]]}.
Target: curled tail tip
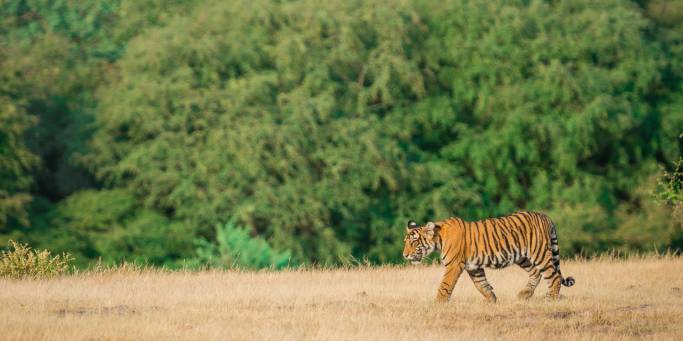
{"points": [[569, 281]]}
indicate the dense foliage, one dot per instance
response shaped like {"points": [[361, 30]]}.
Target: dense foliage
{"points": [[129, 129]]}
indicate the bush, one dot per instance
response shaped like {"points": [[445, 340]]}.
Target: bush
{"points": [[235, 248], [21, 261], [671, 190]]}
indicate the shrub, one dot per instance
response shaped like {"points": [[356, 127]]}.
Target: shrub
{"points": [[21, 261], [671, 190], [235, 248]]}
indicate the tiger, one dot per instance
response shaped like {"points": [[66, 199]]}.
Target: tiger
{"points": [[525, 238]]}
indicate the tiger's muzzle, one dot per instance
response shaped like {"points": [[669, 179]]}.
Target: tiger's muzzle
{"points": [[413, 258]]}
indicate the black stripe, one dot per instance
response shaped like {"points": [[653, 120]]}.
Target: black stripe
{"points": [[487, 246], [475, 239], [529, 226], [520, 232], [501, 236]]}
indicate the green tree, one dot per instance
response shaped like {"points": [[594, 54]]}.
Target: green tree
{"points": [[16, 162], [325, 126], [53, 57], [110, 225], [129, 128]]}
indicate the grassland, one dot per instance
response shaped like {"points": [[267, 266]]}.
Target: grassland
{"points": [[633, 299]]}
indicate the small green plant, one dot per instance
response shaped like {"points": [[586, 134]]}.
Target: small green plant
{"points": [[672, 184], [671, 190], [21, 261], [235, 248]]}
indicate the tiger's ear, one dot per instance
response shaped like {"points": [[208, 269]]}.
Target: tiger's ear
{"points": [[412, 224], [431, 228]]}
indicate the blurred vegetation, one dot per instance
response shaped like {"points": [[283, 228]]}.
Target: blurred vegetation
{"points": [[236, 248], [130, 128]]}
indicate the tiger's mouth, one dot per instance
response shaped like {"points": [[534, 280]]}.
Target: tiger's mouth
{"points": [[414, 260]]}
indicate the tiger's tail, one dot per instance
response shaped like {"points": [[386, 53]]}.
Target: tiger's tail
{"points": [[566, 281]]}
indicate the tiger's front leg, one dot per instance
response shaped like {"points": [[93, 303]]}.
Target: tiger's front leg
{"points": [[479, 278], [450, 277]]}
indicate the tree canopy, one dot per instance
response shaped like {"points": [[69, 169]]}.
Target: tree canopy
{"points": [[131, 129]]}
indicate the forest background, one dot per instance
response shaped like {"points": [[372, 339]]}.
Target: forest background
{"points": [[265, 133]]}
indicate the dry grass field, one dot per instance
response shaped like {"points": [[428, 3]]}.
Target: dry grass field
{"points": [[634, 299]]}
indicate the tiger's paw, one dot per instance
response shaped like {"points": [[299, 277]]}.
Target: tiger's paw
{"points": [[491, 299], [552, 297], [525, 294]]}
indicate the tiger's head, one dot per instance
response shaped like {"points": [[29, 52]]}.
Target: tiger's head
{"points": [[420, 241]]}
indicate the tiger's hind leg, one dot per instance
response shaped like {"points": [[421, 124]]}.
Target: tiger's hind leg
{"points": [[554, 281], [551, 275], [534, 279], [479, 278]]}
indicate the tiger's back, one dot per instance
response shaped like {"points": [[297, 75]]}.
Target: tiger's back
{"points": [[498, 242]]}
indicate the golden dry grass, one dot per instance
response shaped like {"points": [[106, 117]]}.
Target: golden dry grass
{"points": [[634, 299]]}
